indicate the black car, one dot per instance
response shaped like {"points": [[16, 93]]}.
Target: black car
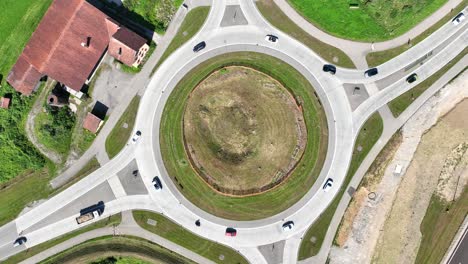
{"points": [[412, 78], [19, 241], [371, 72], [329, 68], [271, 38], [199, 46], [157, 183]]}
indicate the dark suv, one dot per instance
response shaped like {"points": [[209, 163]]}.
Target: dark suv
{"points": [[412, 78], [329, 68], [199, 46], [157, 183], [371, 72]]}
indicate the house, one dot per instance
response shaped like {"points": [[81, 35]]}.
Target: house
{"points": [[92, 123], [68, 45], [128, 47], [4, 102]]}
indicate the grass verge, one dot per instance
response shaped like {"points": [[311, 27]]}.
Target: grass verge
{"points": [[367, 137], [265, 204], [177, 234], [439, 226], [366, 20], [121, 244], [119, 134], [399, 104], [110, 221], [191, 25], [87, 169], [271, 12], [376, 58]]}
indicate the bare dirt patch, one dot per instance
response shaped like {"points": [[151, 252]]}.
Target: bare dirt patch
{"points": [[400, 239], [387, 229], [244, 132]]}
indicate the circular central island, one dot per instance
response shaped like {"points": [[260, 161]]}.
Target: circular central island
{"points": [[243, 131]]}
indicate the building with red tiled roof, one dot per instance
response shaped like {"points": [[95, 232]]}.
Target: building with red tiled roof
{"points": [[92, 123], [66, 46], [128, 47], [4, 102]]}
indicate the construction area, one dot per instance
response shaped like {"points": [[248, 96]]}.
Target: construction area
{"points": [[412, 200]]}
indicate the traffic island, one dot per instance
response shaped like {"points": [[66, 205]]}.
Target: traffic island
{"points": [[261, 204]]}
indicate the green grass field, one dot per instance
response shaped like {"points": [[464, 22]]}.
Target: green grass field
{"points": [[367, 137], [439, 226], [119, 135], [87, 251], [113, 220], [153, 14], [177, 234], [399, 104], [278, 19], [256, 206], [377, 58], [372, 21], [119, 260], [191, 25]]}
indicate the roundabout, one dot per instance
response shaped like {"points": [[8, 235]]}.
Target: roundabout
{"points": [[243, 142]]}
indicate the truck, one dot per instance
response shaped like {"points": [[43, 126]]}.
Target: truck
{"points": [[91, 212], [87, 217]]}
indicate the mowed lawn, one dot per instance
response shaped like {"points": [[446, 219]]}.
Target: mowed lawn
{"points": [[372, 21], [255, 206], [177, 234], [120, 134]]}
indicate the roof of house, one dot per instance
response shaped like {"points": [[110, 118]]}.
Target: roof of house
{"points": [[56, 47], [4, 102], [23, 76], [92, 123], [129, 38]]}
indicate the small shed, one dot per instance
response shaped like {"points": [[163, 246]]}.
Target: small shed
{"points": [[92, 123], [4, 102]]}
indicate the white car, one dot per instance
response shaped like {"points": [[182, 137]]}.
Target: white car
{"points": [[271, 38], [458, 19], [288, 225], [136, 137], [328, 184]]}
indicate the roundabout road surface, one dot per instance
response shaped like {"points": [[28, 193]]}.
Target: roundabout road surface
{"points": [[343, 125]]}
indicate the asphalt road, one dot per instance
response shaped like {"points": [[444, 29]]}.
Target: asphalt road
{"points": [[343, 123], [460, 256]]}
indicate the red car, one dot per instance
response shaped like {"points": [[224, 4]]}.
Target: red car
{"points": [[231, 232]]}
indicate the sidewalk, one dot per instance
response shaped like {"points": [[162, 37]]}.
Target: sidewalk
{"points": [[127, 227]]}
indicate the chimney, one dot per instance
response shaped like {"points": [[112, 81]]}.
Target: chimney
{"points": [[87, 43]]}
